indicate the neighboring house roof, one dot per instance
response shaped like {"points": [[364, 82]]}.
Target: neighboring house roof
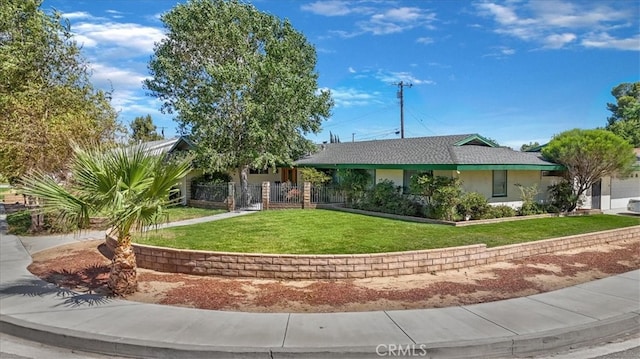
{"points": [[167, 146], [455, 152]]}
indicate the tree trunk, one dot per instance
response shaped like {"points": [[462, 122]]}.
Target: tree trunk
{"points": [[245, 195], [123, 278]]}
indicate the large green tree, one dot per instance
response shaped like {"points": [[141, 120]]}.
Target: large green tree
{"points": [[46, 98], [625, 113], [143, 130], [242, 83], [128, 186], [588, 156]]}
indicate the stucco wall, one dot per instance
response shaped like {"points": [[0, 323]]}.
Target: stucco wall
{"points": [[397, 176]]}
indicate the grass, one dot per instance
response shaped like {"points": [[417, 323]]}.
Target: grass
{"points": [[180, 213], [329, 232]]}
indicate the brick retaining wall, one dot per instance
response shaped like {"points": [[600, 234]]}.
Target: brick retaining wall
{"points": [[358, 265]]}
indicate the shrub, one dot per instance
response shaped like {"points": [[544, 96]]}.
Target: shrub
{"points": [[500, 211], [314, 176], [19, 222], [562, 197], [354, 183], [51, 224], [386, 197], [473, 205], [528, 197], [442, 195]]}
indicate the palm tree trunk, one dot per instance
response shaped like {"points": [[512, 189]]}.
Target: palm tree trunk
{"points": [[123, 278]]}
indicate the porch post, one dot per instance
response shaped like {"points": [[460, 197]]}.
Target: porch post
{"points": [[266, 190], [306, 195], [231, 197]]}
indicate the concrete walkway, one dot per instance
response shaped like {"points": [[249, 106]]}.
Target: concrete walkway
{"points": [[582, 315]]}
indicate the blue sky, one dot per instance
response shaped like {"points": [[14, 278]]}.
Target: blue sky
{"points": [[515, 71]]}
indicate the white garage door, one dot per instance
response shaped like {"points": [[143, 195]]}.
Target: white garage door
{"points": [[623, 189]]}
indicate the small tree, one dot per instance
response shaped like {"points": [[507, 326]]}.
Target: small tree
{"points": [[129, 186], [588, 156], [354, 183], [143, 130], [442, 194], [528, 197], [314, 176]]}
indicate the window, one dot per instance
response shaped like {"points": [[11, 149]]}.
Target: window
{"points": [[499, 183], [258, 171]]}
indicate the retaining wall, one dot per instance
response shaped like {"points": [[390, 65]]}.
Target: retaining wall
{"points": [[358, 265]]}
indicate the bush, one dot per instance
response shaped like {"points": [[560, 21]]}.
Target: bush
{"points": [[19, 222], [473, 205], [528, 197], [562, 197], [52, 224], [386, 197], [500, 211]]}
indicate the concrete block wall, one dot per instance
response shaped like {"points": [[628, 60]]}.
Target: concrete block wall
{"points": [[278, 266]]}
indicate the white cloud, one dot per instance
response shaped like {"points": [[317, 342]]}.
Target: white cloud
{"points": [[606, 41], [336, 8], [397, 20], [372, 20], [352, 70], [425, 40], [77, 15], [133, 37], [105, 75], [501, 52], [557, 41], [348, 97], [555, 24], [406, 77]]}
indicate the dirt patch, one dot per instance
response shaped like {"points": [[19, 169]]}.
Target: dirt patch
{"points": [[84, 267]]}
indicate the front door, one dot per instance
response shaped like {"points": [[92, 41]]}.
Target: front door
{"points": [[596, 191]]}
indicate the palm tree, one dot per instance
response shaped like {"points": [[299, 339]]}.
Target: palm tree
{"points": [[129, 186]]}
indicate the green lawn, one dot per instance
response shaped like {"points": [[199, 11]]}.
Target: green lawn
{"points": [[330, 232], [180, 213]]}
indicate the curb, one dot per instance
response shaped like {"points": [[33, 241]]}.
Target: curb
{"points": [[503, 347]]}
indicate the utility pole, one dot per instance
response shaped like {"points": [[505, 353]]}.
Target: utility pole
{"points": [[353, 137], [401, 85]]}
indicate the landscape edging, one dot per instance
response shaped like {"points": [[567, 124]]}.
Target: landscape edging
{"points": [[340, 266]]}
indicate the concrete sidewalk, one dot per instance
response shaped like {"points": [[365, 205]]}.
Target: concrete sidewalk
{"points": [[585, 314]]}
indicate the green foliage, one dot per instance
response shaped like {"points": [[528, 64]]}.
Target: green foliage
{"points": [[354, 183], [528, 146], [19, 222], [501, 211], [442, 195], [625, 113], [52, 224], [589, 155], [528, 198], [386, 197], [212, 178], [128, 186], [46, 97], [473, 205], [143, 130], [314, 176], [562, 197], [242, 83]]}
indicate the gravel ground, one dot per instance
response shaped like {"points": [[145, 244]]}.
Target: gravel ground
{"points": [[83, 267]]}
